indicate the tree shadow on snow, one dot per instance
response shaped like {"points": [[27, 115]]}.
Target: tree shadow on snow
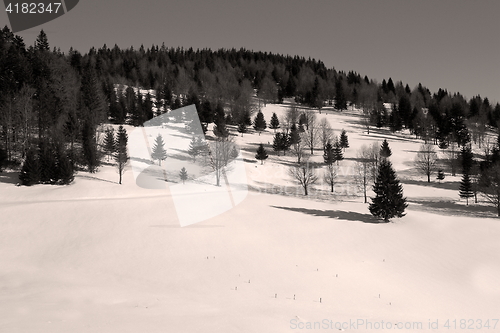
{"points": [[444, 185], [9, 177], [451, 208], [335, 214]]}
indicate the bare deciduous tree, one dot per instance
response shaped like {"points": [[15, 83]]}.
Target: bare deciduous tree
{"points": [[330, 175], [325, 132], [426, 160], [311, 133], [366, 167], [220, 155], [297, 148], [304, 174]]}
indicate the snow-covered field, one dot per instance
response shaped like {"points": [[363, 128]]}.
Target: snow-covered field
{"points": [[96, 256]]}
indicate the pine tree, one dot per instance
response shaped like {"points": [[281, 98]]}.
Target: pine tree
{"points": [[275, 123], [344, 141], [30, 171], [121, 156], [465, 189], [440, 175], [259, 123], [159, 152], [183, 175], [261, 154], [389, 201], [385, 151], [329, 154], [195, 147], [109, 142], [337, 151]]}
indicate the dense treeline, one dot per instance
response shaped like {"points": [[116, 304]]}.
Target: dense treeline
{"points": [[52, 104]]}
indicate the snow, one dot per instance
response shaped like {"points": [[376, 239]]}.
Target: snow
{"points": [[96, 256]]}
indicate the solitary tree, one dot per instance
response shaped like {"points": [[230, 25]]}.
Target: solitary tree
{"points": [[259, 123], [330, 175], [183, 175], [426, 160], [344, 141], [220, 155], [159, 152], [325, 132], [388, 201], [465, 189], [304, 174], [121, 155], [261, 154], [329, 155], [275, 123], [385, 151]]}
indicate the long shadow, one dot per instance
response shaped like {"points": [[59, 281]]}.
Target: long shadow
{"points": [[9, 177], [335, 214], [451, 208], [445, 185], [95, 178]]}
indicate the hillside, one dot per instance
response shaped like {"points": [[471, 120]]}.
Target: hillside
{"points": [[97, 256]]}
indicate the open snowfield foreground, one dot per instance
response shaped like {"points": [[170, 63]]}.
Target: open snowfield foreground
{"points": [[96, 256]]}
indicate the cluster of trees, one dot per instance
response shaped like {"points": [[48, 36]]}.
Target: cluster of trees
{"points": [[52, 101]]}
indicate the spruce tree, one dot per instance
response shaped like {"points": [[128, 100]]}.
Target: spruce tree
{"points": [[465, 189], [30, 171], [109, 142], [388, 201], [121, 155], [344, 141], [261, 154], [337, 151], [329, 154], [159, 153], [385, 151], [259, 123], [183, 175], [275, 123], [195, 147]]}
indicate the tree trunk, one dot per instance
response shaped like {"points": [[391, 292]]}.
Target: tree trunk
{"points": [[305, 191]]}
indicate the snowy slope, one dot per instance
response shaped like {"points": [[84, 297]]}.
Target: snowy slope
{"points": [[96, 256]]}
